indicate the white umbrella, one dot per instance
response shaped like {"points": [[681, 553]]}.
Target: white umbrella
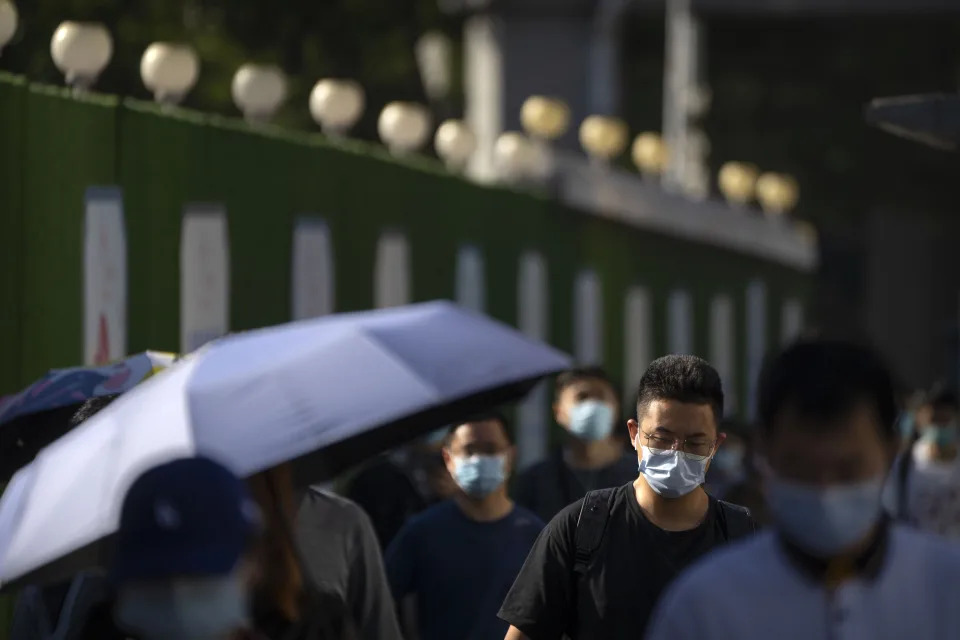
{"points": [[349, 385]]}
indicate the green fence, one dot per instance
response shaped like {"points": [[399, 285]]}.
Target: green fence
{"points": [[53, 146]]}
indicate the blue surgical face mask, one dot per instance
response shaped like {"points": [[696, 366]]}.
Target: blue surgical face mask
{"points": [[478, 475], [824, 521], [672, 473], [942, 435], [186, 609], [591, 420]]}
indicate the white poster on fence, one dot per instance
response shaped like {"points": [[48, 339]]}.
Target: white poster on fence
{"points": [[204, 276], [104, 277], [312, 279]]}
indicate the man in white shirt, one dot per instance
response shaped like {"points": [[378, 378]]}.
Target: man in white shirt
{"points": [[926, 492], [833, 566]]}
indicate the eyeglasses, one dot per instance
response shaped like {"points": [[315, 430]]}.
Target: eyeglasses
{"points": [[694, 448]]}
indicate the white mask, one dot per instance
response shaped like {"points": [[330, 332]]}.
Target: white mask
{"points": [[207, 608], [672, 473]]}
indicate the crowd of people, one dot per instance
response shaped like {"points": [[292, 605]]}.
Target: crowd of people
{"points": [[835, 516]]}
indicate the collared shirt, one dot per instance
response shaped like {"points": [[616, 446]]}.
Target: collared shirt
{"points": [[905, 586]]}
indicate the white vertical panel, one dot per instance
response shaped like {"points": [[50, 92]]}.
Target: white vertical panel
{"points": [[791, 320], [723, 352], [588, 319], [533, 306], [312, 278], [391, 287], [204, 276], [756, 341], [680, 322], [637, 337], [104, 277], [471, 281]]}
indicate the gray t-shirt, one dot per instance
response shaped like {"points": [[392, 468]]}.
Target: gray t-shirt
{"points": [[342, 555]]}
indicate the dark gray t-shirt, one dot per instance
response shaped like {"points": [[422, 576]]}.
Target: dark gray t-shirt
{"points": [[550, 485], [342, 555]]}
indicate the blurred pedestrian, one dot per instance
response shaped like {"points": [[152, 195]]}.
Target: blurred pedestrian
{"points": [[460, 557], [729, 465], [61, 611], [924, 488], [321, 574], [181, 566], [593, 455], [834, 566], [600, 565]]}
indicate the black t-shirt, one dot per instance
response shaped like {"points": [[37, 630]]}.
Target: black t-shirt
{"points": [[615, 597], [551, 484]]}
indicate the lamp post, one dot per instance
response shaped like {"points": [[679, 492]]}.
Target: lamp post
{"points": [[514, 157], [650, 154], [8, 22], [258, 91], [603, 137], [455, 143], [738, 182], [81, 50], [169, 71], [404, 126], [777, 193], [336, 105]]}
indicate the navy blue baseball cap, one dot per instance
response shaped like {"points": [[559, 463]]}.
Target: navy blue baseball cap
{"points": [[189, 517]]}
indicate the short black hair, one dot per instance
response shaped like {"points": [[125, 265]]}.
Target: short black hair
{"points": [[683, 378], [90, 408], [822, 380], [942, 396], [492, 415], [578, 374]]}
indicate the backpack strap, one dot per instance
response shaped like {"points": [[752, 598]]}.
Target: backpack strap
{"points": [[591, 523], [735, 520]]}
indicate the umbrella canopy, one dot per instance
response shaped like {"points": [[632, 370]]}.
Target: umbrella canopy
{"points": [[346, 386], [38, 415], [932, 119]]}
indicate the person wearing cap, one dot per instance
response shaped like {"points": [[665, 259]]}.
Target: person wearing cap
{"points": [[181, 567], [833, 565]]}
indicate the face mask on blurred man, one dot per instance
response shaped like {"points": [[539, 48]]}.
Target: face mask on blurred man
{"points": [[185, 609], [825, 521], [591, 420], [480, 475], [941, 435]]}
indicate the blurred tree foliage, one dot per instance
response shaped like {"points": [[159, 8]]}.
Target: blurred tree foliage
{"points": [[371, 41]]}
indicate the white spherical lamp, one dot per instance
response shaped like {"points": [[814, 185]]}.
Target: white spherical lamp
{"points": [[336, 105], [738, 182], [258, 91], [169, 71], [404, 126], [603, 137], [545, 118], [81, 50], [514, 156], [8, 22], [455, 143], [777, 193], [649, 153]]}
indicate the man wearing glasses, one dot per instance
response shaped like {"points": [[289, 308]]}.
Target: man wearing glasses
{"points": [[600, 565]]}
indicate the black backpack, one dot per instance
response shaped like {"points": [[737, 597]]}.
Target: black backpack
{"points": [[735, 521]]}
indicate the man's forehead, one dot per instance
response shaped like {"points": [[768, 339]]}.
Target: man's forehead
{"points": [[480, 430], [674, 416]]}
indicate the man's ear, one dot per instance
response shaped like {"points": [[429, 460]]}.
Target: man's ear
{"points": [[721, 437], [634, 428]]}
